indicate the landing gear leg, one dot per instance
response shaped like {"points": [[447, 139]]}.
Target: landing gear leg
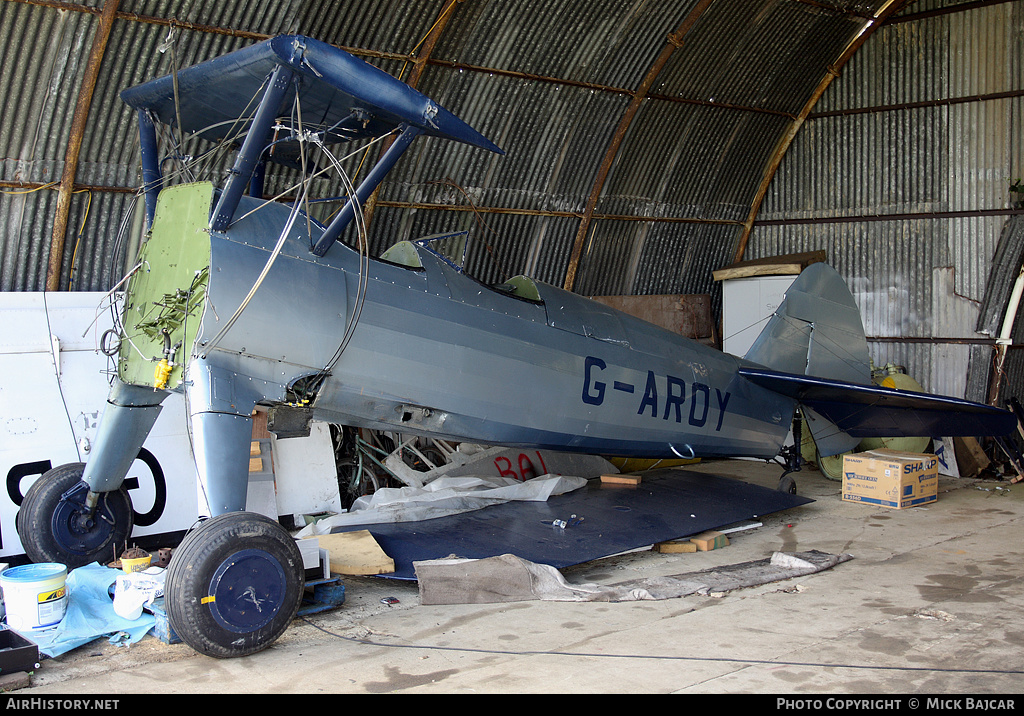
{"points": [[235, 582], [62, 520], [793, 458], [79, 513]]}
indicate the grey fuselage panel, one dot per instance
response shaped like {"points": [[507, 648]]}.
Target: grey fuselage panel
{"points": [[438, 353]]}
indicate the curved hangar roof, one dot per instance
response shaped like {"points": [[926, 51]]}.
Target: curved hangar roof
{"points": [[639, 136]]}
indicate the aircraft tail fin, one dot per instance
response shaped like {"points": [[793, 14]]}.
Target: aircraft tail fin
{"points": [[817, 331], [814, 350]]}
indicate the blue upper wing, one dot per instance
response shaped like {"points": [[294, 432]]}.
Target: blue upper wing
{"points": [[340, 95]]}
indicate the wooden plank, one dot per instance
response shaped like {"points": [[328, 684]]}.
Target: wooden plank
{"points": [[259, 425], [356, 553], [970, 457], [712, 539], [620, 479], [787, 265]]}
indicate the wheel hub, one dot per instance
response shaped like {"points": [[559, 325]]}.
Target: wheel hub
{"points": [[75, 527], [247, 590]]}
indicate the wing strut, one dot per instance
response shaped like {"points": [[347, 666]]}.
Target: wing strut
{"points": [[407, 133], [255, 140]]}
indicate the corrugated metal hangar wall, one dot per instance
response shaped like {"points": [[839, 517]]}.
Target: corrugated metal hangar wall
{"points": [[647, 144]]}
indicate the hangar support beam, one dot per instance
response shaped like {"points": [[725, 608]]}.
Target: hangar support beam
{"points": [[786, 139], [67, 182], [674, 41]]}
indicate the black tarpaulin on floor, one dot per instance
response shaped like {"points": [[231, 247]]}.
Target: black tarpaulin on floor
{"points": [[667, 504]]}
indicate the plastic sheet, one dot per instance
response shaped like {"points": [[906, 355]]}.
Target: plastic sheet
{"points": [[444, 496], [134, 591], [666, 505], [90, 614]]}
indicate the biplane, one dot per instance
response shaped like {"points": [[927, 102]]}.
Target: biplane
{"points": [[240, 302]]}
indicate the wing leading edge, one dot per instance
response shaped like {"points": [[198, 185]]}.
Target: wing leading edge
{"points": [[864, 411]]}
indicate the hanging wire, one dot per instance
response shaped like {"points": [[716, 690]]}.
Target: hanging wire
{"points": [[302, 158], [18, 192], [78, 239], [81, 229], [285, 231], [201, 165], [314, 175], [362, 246], [301, 200], [186, 364], [423, 39]]}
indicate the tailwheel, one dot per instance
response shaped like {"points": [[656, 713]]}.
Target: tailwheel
{"points": [[234, 585], [57, 523], [787, 484]]}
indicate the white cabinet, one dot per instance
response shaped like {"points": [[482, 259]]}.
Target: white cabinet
{"points": [[747, 304]]}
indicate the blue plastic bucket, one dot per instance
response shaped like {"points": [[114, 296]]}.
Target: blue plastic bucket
{"points": [[35, 595]]}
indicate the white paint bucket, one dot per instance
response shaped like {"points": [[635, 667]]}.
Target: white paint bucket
{"points": [[35, 595]]}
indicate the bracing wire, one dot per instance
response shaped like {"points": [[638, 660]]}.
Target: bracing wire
{"points": [[364, 260], [293, 214], [314, 175], [235, 131], [302, 200]]}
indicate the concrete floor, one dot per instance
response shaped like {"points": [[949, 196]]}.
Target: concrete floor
{"points": [[930, 604]]}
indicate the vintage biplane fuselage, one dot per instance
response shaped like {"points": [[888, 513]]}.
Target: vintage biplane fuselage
{"points": [[242, 303], [432, 351]]}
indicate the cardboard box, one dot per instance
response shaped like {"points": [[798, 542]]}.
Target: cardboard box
{"points": [[890, 478]]}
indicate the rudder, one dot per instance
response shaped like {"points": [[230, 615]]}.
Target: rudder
{"points": [[817, 331]]}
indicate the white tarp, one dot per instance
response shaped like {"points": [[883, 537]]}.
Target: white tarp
{"points": [[518, 463], [443, 496]]}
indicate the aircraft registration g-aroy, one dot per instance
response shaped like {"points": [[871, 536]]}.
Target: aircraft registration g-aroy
{"points": [[240, 302]]}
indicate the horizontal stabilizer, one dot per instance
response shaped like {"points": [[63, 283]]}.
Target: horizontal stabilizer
{"points": [[871, 411]]}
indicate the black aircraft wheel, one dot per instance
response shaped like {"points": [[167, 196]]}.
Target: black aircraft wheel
{"points": [[234, 585], [787, 484], [55, 525]]}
